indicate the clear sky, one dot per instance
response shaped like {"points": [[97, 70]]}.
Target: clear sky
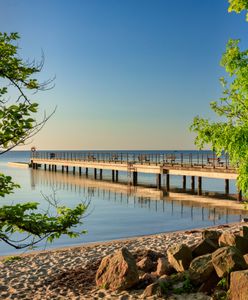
{"points": [[130, 74]]}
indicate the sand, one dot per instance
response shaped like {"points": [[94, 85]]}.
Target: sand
{"points": [[69, 273]]}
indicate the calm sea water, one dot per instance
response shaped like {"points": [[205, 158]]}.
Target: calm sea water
{"points": [[116, 210]]}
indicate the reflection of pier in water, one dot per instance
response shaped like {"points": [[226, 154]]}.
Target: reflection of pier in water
{"points": [[143, 197]]}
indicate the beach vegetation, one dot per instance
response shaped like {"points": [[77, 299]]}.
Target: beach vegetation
{"points": [[11, 259], [18, 123], [229, 134]]}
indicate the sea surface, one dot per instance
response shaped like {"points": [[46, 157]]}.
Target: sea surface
{"points": [[116, 210]]}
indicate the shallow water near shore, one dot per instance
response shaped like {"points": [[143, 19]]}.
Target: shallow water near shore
{"points": [[117, 210]]}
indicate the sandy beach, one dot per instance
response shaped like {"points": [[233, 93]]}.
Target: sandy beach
{"points": [[69, 273]]}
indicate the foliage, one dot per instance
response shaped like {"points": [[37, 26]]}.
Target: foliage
{"points": [[17, 125], [186, 288], [223, 283], [230, 134], [238, 6], [11, 259]]}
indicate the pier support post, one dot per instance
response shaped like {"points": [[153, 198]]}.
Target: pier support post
{"points": [[113, 175], [55, 168], [74, 170], [95, 173], [135, 178], [86, 172], [158, 181], [80, 171], [227, 186], [239, 198], [192, 183], [116, 176], [52, 168], [63, 169], [100, 174], [199, 191], [67, 169], [168, 182], [45, 167], [49, 167], [184, 182], [36, 166]]}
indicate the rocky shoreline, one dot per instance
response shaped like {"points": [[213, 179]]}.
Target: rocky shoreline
{"points": [[70, 273]]}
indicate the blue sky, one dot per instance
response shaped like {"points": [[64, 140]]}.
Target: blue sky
{"points": [[130, 74]]}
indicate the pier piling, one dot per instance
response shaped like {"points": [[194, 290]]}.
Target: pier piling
{"points": [[227, 186], [199, 190], [168, 182], [192, 183], [184, 182], [158, 181], [135, 178]]}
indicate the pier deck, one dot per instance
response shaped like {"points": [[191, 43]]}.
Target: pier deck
{"points": [[197, 164]]}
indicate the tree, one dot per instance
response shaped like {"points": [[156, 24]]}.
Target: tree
{"points": [[238, 6], [17, 125], [230, 134]]}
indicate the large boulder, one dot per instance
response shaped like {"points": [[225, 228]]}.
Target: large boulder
{"points": [[242, 244], [117, 271], [212, 235], [230, 239], [201, 269], [227, 239], [180, 257], [209, 285], [239, 285], [163, 267], [244, 231], [246, 259], [145, 264], [152, 290], [204, 247], [141, 253], [227, 259]]}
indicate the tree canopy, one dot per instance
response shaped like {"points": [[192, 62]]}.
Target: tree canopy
{"points": [[238, 6], [17, 124], [230, 134]]}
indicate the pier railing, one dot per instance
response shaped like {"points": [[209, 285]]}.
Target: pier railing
{"points": [[176, 158]]}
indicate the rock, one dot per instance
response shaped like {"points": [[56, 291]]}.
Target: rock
{"points": [[244, 231], [179, 256], [145, 280], [241, 244], [142, 253], [230, 239], [239, 285], [227, 259], [204, 247], [246, 258], [209, 285], [227, 239], [145, 264], [212, 235], [163, 267], [200, 269], [191, 296], [163, 278], [117, 271], [152, 289], [219, 294]]}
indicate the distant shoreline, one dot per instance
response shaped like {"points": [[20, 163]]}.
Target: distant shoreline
{"points": [[19, 164]]}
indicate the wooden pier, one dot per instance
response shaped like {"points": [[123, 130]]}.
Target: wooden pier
{"points": [[190, 165]]}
